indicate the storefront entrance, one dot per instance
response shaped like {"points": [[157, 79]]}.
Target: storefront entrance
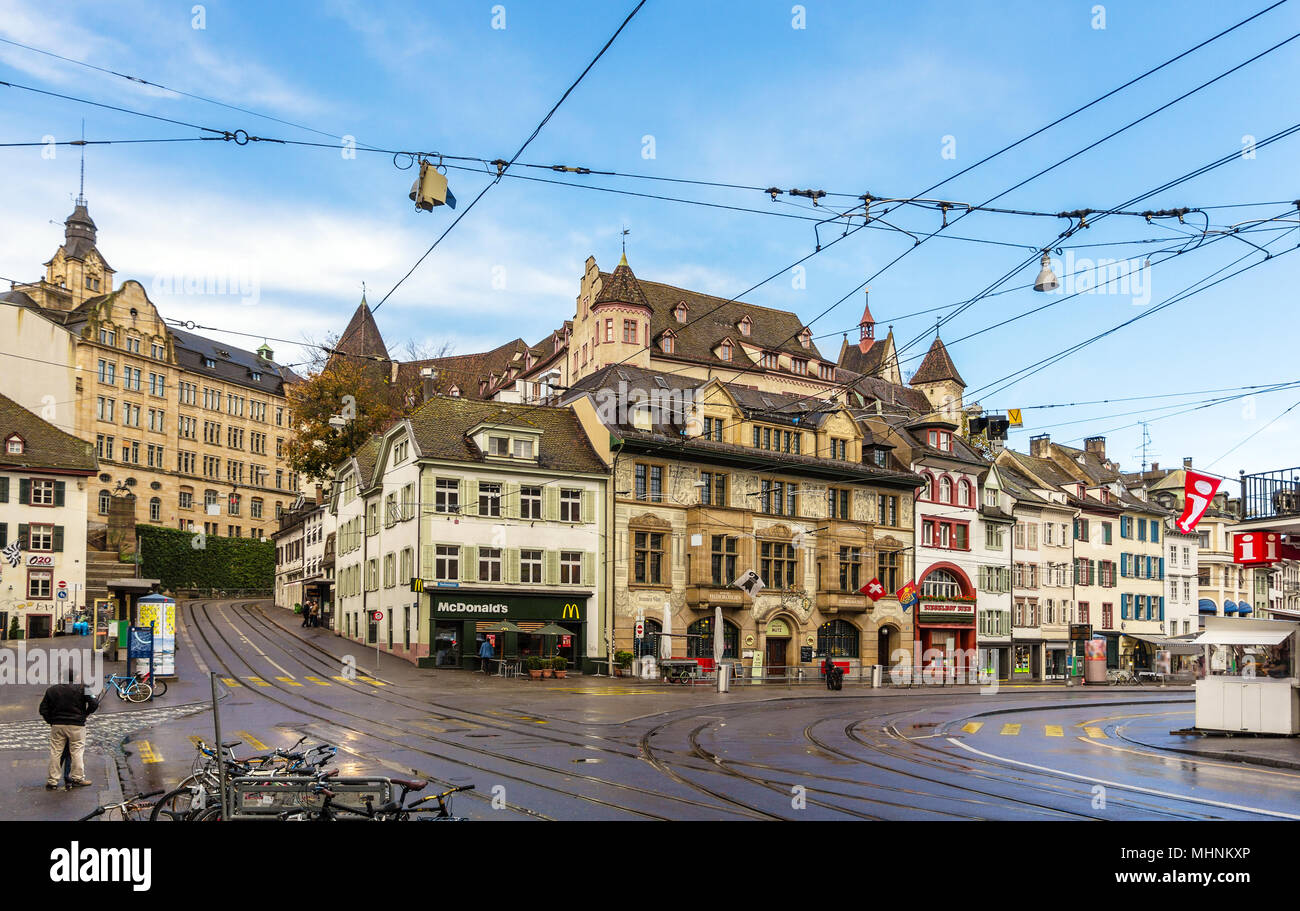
{"points": [[38, 626], [1057, 665], [462, 622], [775, 660]]}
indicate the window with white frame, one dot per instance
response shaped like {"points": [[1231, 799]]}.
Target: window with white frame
{"points": [[570, 505], [446, 495], [489, 564], [570, 567], [530, 502], [530, 566], [446, 562]]}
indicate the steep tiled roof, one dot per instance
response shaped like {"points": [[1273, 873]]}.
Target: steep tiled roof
{"points": [[362, 337], [440, 426], [621, 287], [937, 366], [234, 365], [465, 370], [854, 358], [45, 446]]}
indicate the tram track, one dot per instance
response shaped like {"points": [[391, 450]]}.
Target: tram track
{"points": [[367, 725]]}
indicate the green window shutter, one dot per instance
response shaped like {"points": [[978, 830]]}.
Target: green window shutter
{"points": [[588, 568], [22, 535], [24, 490], [58, 538], [551, 567], [465, 489], [551, 503], [588, 506], [58, 493], [469, 564], [4, 490], [510, 501], [426, 492], [512, 564], [426, 561]]}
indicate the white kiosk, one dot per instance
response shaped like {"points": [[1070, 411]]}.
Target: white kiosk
{"points": [[1250, 682]]}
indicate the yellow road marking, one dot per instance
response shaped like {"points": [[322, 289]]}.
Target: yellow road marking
{"points": [[319, 681], [251, 740], [289, 681], [147, 752], [341, 679], [1082, 724], [257, 681], [231, 681], [1010, 730], [370, 680], [972, 727], [1095, 732], [1055, 730]]}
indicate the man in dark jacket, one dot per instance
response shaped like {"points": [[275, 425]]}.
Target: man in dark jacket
{"points": [[64, 709]]}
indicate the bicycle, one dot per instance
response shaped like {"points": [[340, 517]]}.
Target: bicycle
{"points": [[1123, 677], [130, 688], [130, 809], [159, 684]]}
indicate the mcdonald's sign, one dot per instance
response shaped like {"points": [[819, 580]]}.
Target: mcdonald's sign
{"points": [[417, 584], [571, 612]]}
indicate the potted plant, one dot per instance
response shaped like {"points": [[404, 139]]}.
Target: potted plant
{"points": [[534, 665], [561, 667], [14, 631], [548, 667], [623, 663]]}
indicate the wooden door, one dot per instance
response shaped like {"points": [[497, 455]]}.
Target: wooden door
{"points": [[775, 662]]}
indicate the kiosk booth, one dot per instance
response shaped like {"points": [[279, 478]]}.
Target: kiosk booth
{"points": [[1250, 683]]}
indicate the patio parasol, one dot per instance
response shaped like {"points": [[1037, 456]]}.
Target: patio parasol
{"points": [[551, 630]]}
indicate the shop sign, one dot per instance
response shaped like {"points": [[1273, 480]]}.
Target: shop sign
{"points": [[40, 559], [1198, 493], [465, 606], [953, 608], [778, 627], [1080, 632]]}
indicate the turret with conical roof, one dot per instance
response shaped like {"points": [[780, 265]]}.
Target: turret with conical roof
{"points": [[938, 378], [619, 325], [362, 338]]}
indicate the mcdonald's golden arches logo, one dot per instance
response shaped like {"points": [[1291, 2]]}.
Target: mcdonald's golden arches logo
{"points": [[571, 612]]}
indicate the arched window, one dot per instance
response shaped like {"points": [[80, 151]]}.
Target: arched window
{"points": [[965, 495], [945, 489], [104, 497], [649, 643], [838, 638], [940, 584], [155, 510], [927, 492], [699, 641]]}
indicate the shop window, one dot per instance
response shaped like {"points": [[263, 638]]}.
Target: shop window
{"points": [[699, 639], [838, 638]]}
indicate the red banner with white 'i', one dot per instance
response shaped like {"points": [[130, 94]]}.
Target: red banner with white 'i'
{"points": [[1198, 492]]}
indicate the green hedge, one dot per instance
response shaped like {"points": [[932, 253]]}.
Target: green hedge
{"points": [[169, 555]]}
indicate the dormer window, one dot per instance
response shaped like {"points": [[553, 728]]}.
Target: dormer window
{"points": [[209, 363], [941, 440], [746, 326], [724, 351], [799, 365], [15, 445], [108, 337], [454, 392], [257, 377], [805, 337], [523, 449], [669, 342], [499, 446], [679, 312], [768, 360]]}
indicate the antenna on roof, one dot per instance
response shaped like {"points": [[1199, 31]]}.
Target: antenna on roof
{"points": [[81, 194]]}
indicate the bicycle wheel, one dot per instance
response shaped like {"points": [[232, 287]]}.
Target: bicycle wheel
{"points": [[174, 806], [159, 687], [139, 692]]}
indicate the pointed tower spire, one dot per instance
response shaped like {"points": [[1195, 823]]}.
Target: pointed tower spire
{"points": [[81, 193], [866, 326]]}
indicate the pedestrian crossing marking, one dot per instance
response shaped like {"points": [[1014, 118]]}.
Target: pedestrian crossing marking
{"points": [[257, 681], [147, 752], [370, 680], [1055, 730], [289, 680], [251, 740], [972, 727], [319, 681], [231, 682], [1010, 730], [1095, 733], [348, 680]]}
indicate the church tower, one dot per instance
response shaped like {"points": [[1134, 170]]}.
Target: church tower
{"points": [[938, 378]]}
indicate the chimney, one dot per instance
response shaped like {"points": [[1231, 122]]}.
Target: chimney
{"points": [[1155, 466], [1187, 462], [1040, 447], [1096, 446], [320, 494], [428, 381]]}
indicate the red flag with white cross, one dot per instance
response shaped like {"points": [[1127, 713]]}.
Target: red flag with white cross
{"points": [[873, 590]]}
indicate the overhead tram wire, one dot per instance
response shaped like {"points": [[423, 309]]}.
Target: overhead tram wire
{"points": [[1251, 436], [537, 130]]}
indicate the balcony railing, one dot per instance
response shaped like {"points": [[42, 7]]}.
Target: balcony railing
{"points": [[1271, 493]]}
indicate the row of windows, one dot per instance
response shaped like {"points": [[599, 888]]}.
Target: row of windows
{"points": [[459, 563], [525, 501], [211, 505]]}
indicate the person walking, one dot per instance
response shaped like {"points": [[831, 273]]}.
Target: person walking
{"points": [[485, 653], [65, 707]]}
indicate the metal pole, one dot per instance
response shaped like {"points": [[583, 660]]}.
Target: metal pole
{"points": [[221, 756]]}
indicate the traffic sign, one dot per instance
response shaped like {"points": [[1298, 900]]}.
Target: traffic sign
{"points": [[640, 630], [377, 616], [62, 584], [63, 594]]}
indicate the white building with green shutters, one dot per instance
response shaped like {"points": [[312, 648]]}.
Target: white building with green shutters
{"points": [[469, 513]]}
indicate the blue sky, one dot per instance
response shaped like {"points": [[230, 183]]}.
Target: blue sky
{"points": [[860, 99]]}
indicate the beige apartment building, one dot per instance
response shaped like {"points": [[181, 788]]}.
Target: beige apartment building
{"points": [[193, 428]]}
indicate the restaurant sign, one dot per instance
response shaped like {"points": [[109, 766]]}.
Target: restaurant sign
{"points": [[946, 612], [490, 606]]}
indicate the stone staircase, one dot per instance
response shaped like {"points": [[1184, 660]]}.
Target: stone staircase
{"points": [[102, 566]]}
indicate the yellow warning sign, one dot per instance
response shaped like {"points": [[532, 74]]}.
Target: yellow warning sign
{"points": [[1013, 417]]}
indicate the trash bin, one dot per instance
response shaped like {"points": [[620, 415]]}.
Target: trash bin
{"points": [[724, 677], [876, 676]]}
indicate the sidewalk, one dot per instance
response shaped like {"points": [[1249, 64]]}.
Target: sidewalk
{"points": [[1274, 752]]}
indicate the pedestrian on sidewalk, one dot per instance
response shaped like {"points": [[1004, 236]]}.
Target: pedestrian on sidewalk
{"points": [[306, 615], [485, 653], [65, 708]]}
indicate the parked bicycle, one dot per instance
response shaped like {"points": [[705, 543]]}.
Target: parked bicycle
{"points": [[159, 684], [130, 810], [1123, 677], [130, 687]]}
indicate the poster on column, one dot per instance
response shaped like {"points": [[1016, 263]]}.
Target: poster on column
{"points": [[161, 613]]}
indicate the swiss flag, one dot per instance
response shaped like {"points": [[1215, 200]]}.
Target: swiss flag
{"points": [[873, 590]]}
